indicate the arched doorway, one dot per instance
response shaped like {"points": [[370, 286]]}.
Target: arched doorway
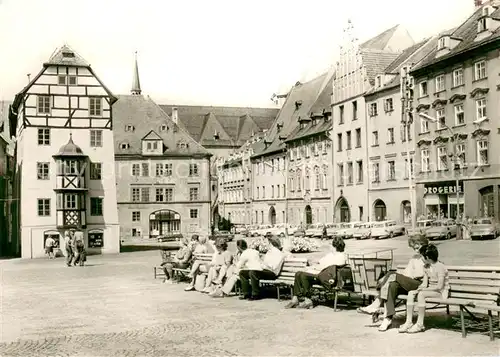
{"points": [[342, 210], [380, 210], [309, 215], [272, 216], [164, 222], [406, 211]]}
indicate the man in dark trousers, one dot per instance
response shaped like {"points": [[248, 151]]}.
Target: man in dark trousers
{"points": [[271, 267]]}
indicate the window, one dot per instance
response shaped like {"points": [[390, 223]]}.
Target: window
{"points": [[159, 171], [193, 193], [424, 126], [479, 70], [263, 192], [136, 195], [442, 43], [390, 134], [44, 207], [350, 173], [441, 119], [425, 158], [193, 169], [96, 138], [423, 89], [168, 169], [358, 137], [299, 180], [325, 177], [258, 192], [373, 109], [96, 206], [42, 169], [160, 197], [317, 178], [145, 169], [482, 152], [388, 105], [43, 104], [136, 216], [43, 136], [355, 110], [339, 142], [442, 154], [341, 114], [375, 172], [440, 86], [95, 170], [348, 140], [272, 191], [411, 168], [460, 150], [481, 109], [375, 138], [169, 194], [458, 77], [124, 146], [193, 213], [129, 128], [61, 80], [70, 201], [95, 107], [359, 177], [459, 114], [482, 24], [145, 194], [72, 80], [341, 174], [391, 170], [136, 170], [136, 232]]}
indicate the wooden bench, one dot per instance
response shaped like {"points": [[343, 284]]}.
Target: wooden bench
{"points": [[291, 265], [204, 258], [158, 270], [472, 289]]}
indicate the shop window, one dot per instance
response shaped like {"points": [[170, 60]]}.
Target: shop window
{"points": [[487, 202]]}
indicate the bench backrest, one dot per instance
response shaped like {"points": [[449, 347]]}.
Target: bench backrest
{"points": [[290, 267], [477, 284], [207, 257], [366, 271]]}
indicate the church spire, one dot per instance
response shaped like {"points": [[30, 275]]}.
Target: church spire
{"points": [[136, 84]]}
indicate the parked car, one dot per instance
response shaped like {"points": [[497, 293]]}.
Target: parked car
{"points": [[442, 229], [260, 230], [277, 229], [315, 230], [291, 229], [482, 228], [241, 229], [421, 227], [387, 229], [228, 236], [364, 231], [348, 229], [332, 228]]}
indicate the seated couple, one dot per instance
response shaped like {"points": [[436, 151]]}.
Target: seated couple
{"points": [[424, 277], [323, 273]]}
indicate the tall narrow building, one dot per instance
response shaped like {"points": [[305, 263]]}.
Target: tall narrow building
{"points": [[65, 172]]}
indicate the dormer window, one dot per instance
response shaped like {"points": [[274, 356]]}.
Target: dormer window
{"points": [[124, 146], [442, 43], [298, 103], [486, 11], [129, 128], [378, 81], [68, 55], [482, 24], [163, 127]]}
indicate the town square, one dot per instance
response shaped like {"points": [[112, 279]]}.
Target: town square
{"points": [[276, 178]]}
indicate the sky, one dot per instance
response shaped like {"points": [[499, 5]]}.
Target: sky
{"points": [[204, 52]]}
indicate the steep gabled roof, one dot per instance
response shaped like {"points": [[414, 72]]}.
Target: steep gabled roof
{"points": [[307, 95], [66, 56], [376, 61], [466, 33], [234, 125], [152, 135], [148, 118], [380, 41]]}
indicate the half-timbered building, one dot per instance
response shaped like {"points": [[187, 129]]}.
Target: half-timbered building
{"points": [[65, 174]]}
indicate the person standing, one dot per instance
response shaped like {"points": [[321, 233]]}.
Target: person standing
{"points": [[80, 256], [49, 247], [68, 248]]}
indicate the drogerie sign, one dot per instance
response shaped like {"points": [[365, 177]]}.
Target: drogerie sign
{"points": [[443, 188]]}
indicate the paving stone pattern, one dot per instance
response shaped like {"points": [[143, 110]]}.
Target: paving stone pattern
{"points": [[113, 307]]}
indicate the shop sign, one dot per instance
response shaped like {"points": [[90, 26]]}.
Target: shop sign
{"points": [[96, 239], [443, 188]]}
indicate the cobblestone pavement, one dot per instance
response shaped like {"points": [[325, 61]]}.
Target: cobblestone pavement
{"points": [[113, 307]]}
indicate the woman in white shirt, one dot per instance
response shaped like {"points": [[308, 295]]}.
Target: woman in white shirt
{"points": [[304, 280]]}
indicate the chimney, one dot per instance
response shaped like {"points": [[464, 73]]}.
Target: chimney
{"points": [[477, 4], [175, 115]]}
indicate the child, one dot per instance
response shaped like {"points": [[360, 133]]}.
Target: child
{"points": [[435, 284]]}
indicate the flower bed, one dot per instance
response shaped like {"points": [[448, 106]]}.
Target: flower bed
{"points": [[299, 245], [260, 244]]}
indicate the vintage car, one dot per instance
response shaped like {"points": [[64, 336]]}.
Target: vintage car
{"points": [[387, 229], [260, 230], [331, 229], [482, 228], [364, 231], [241, 229], [277, 230], [442, 229], [315, 230], [228, 236], [347, 230], [420, 227]]}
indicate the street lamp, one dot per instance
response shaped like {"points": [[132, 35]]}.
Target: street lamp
{"points": [[455, 158]]}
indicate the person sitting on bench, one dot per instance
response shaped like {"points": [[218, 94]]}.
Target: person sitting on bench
{"points": [[435, 284], [271, 267], [221, 261], [394, 284], [304, 280], [181, 260]]}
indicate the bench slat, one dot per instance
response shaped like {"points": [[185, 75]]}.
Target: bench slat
{"points": [[488, 297], [477, 282], [473, 275], [478, 289]]}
